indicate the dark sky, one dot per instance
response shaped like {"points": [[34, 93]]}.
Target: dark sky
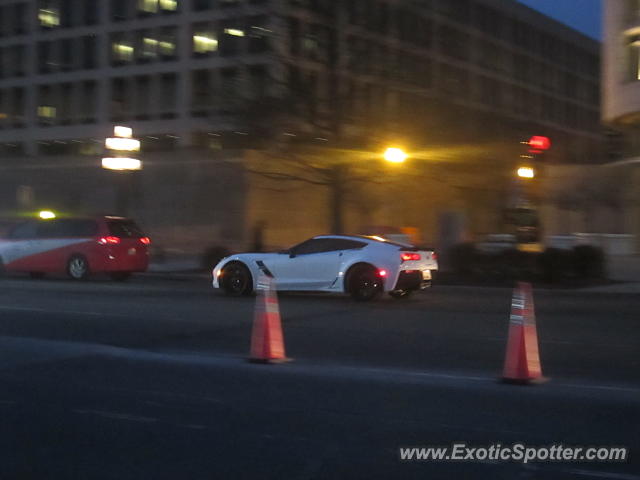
{"points": [[583, 15]]}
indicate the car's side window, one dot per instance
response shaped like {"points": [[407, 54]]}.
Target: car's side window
{"points": [[322, 245], [344, 244], [79, 228], [24, 231], [315, 245]]}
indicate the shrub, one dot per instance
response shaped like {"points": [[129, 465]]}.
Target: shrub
{"points": [[588, 262], [556, 265], [463, 258]]}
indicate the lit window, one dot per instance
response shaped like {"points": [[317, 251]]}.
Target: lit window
{"points": [[169, 5], [47, 111], [148, 6], [633, 44], [123, 52], [149, 47], [234, 32], [167, 48], [204, 42], [49, 17]]}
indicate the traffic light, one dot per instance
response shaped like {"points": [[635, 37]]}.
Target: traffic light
{"points": [[538, 144]]}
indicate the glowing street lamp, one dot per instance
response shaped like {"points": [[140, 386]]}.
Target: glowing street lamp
{"points": [[46, 215], [395, 155], [526, 172], [120, 146]]}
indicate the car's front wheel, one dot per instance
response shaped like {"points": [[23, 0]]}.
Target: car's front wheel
{"points": [[78, 267], [364, 283], [236, 280]]}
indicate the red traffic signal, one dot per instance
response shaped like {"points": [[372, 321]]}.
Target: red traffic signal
{"points": [[539, 144]]}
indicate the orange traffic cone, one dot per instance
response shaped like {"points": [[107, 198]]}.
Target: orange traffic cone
{"points": [[522, 360], [267, 345]]}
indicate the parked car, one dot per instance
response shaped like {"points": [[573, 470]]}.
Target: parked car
{"points": [[76, 246], [361, 266]]}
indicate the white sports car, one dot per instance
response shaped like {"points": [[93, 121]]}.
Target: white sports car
{"points": [[362, 266]]}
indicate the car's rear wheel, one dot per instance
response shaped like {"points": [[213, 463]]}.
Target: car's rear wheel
{"points": [[78, 267], [364, 283], [120, 276], [236, 280], [401, 294]]}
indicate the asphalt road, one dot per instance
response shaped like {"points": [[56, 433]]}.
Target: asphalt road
{"points": [[149, 380]]}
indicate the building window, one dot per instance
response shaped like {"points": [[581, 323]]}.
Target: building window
{"points": [[169, 5], [202, 93], [258, 35], [17, 107], [120, 106], [89, 102], [122, 49], [199, 5], [67, 57], [91, 13], [46, 57], [46, 112], [148, 47], [168, 86], [205, 41], [119, 10], [167, 43], [633, 52], [89, 60], [148, 6], [48, 14], [142, 97]]}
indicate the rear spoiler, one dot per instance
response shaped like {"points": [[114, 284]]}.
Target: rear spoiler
{"points": [[410, 248]]}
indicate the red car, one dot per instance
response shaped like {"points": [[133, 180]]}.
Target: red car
{"points": [[76, 246]]}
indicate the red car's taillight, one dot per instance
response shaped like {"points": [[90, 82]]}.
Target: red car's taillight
{"points": [[407, 256], [434, 255], [109, 241], [145, 240]]}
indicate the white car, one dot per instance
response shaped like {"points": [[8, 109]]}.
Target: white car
{"points": [[361, 266]]}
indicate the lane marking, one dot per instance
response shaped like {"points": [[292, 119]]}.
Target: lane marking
{"points": [[116, 415]]}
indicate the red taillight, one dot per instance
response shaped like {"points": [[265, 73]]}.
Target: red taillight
{"points": [[406, 256], [434, 255], [145, 240], [109, 241], [382, 273]]}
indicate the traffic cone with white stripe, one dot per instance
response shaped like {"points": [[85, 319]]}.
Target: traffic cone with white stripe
{"points": [[267, 344], [522, 360]]}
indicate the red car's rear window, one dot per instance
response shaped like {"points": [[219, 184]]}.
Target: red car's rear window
{"points": [[124, 229]]}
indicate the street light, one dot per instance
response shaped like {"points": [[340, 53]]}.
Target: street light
{"points": [[120, 147], [526, 172], [119, 157], [46, 215], [395, 155]]}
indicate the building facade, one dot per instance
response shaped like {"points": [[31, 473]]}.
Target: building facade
{"points": [[621, 101], [185, 74]]}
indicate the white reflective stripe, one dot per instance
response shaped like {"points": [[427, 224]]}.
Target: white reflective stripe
{"points": [[12, 251], [272, 307], [517, 319]]}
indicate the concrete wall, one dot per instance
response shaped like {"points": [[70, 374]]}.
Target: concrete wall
{"points": [[603, 199]]}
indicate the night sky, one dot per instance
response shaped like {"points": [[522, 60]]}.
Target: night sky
{"points": [[583, 15]]}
